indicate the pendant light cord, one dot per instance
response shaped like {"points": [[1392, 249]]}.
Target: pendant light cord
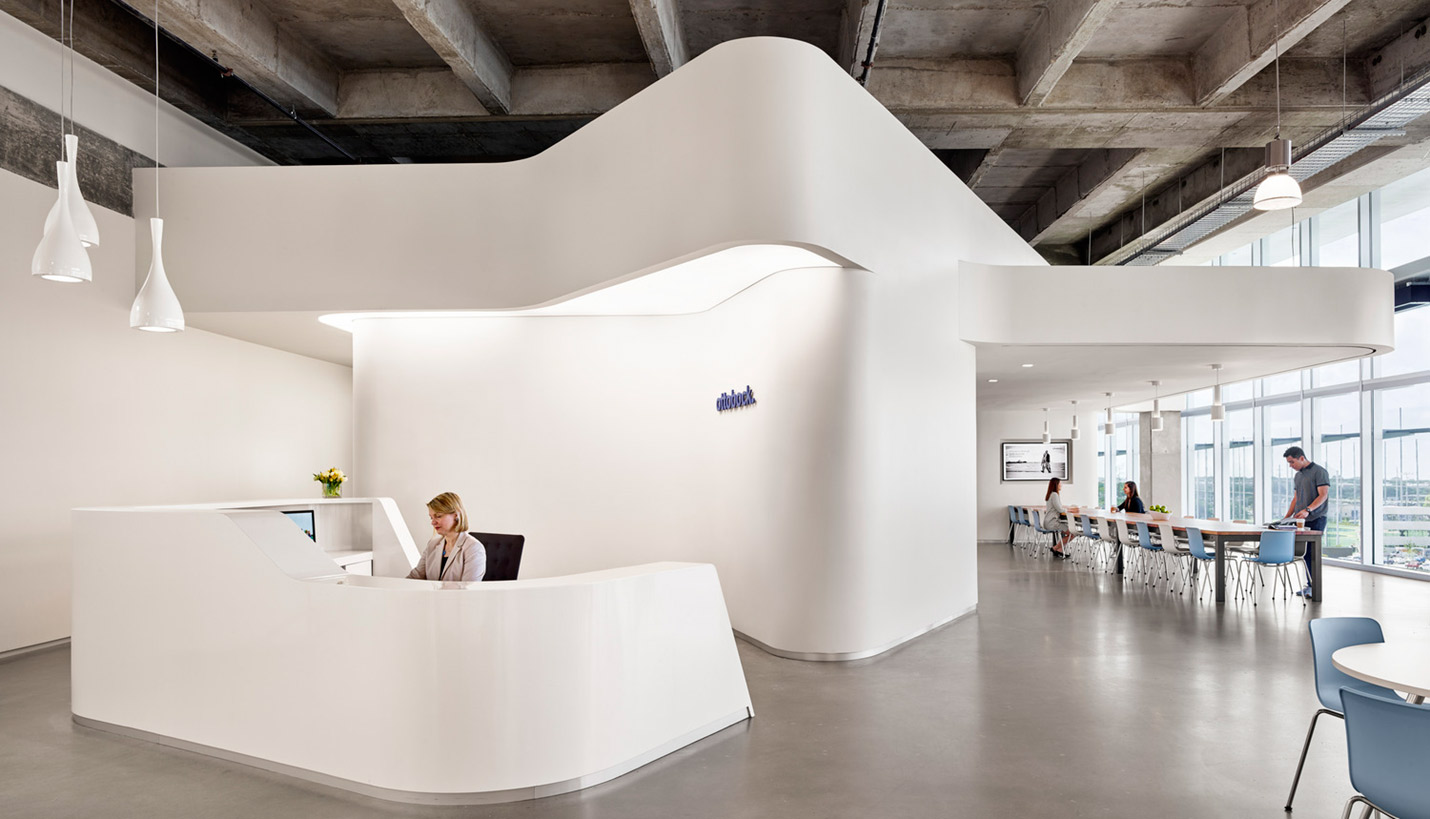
{"points": [[156, 108], [62, 83], [1276, 45], [71, 30]]}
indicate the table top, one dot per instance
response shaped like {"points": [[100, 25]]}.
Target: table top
{"points": [[1402, 664], [1207, 527]]}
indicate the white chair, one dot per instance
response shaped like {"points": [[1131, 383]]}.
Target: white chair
{"points": [[1174, 554]]}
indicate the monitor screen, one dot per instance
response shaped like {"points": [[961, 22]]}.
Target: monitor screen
{"points": [[304, 520]]}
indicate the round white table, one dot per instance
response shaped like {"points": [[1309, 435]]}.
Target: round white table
{"points": [[1402, 665]]}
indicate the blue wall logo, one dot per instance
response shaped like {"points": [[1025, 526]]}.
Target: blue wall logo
{"points": [[734, 400]]}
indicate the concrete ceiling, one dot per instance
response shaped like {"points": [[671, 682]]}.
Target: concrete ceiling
{"points": [[1065, 116]]}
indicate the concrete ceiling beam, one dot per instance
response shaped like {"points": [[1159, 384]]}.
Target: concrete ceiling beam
{"points": [[659, 24], [1070, 195], [1249, 41], [1048, 51], [1404, 57], [560, 90], [243, 36], [463, 43], [856, 26]]}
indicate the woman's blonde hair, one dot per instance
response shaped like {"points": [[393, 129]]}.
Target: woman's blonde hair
{"points": [[446, 503]]}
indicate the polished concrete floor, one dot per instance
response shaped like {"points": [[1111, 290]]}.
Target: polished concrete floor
{"points": [[1068, 694]]}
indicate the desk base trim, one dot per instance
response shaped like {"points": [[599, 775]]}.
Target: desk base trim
{"points": [[425, 797], [846, 656]]}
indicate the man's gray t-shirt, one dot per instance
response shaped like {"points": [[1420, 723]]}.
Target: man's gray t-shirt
{"points": [[1307, 481]]}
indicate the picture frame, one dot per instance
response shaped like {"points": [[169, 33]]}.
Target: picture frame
{"points": [[1032, 460]]}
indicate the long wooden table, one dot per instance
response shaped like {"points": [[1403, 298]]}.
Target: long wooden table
{"points": [[1219, 533]]}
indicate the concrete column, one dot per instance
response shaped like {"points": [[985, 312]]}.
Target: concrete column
{"points": [[1159, 459]]}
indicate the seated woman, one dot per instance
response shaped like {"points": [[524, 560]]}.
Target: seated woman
{"points": [[1053, 510], [1131, 502], [453, 554]]}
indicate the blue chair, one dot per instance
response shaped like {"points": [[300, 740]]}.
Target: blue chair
{"points": [[1038, 527], [1388, 741], [1012, 524], [1090, 536], [1144, 539], [1278, 550], [1329, 635], [1205, 574]]}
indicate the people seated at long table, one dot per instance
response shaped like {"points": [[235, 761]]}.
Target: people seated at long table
{"points": [[1131, 502]]}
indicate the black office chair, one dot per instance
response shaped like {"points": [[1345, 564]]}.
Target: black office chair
{"points": [[503, 554]]}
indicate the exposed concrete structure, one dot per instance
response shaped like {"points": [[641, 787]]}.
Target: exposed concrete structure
{"points": [[1081, 122]]}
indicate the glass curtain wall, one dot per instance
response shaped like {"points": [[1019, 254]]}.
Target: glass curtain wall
{"points": [[1281, 428], [1337, 423], [1117, 458], [1402, 439], [1200, 466], [1240, 465], [1366, 421]]}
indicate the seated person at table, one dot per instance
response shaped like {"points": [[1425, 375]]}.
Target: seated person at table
{"points": [[1131, 502], [1053, 510], [453, 554]]}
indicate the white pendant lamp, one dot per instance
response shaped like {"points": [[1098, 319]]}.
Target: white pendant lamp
{"points": [[80, 215], [1107, 427], [156, 308], [1157, 424], [60, 256], [1279, 190], [1047, 433], [1076, 433], [1218, 411]]}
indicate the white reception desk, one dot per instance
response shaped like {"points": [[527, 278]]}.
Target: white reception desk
{"points": [[225, 630]]}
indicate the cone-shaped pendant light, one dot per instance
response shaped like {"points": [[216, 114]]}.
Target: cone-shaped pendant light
{"points": [[156, 308], [80, 215], [1279, 190], [60, 256]]}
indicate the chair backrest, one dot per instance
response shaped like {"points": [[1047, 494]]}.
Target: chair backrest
{"points": [[1012, 515], [1196, 545], [1104, 529], [1169, 537], [1331, 634], [1388, 741], [1124, 535], [1144, 536], [1087, 527], [1037, 519], [1023, 515], [1277, 547], [503, 554]]}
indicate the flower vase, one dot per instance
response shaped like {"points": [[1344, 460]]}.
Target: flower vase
{"points": [[332, 490]]}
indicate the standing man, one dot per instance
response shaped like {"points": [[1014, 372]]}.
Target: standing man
{"points": [[1311, 503]]}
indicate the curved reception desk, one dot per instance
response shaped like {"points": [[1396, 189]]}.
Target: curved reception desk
{"points": [[227, 631]]}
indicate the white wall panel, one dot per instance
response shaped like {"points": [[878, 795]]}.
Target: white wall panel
{"points": [[94, 413], [994, 494], [831, 507]]}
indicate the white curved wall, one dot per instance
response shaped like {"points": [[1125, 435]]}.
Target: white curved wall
{"points": [[834, 507]]}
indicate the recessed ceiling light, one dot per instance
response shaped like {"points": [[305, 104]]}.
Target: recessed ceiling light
{"points": [[1027, 365], [992, 381]]}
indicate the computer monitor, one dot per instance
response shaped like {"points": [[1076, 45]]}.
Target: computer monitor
{"points": [[304, 520]]}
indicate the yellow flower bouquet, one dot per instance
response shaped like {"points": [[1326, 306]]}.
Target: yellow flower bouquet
{"points": [[332, 481]]}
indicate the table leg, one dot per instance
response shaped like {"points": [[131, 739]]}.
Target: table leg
{"points": [[1317, 575], [1220, 569]]}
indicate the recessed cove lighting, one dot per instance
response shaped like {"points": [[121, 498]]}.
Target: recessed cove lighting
{"points": [[1027, 365], [688, 287]]}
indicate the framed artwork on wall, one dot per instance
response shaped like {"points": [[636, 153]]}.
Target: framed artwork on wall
{"points": [[1036, 461]]}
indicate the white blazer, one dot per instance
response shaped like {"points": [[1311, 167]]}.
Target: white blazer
{"points": [[467, 563]]}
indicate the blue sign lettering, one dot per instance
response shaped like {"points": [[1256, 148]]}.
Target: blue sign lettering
{"points": [[734, 400]]}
